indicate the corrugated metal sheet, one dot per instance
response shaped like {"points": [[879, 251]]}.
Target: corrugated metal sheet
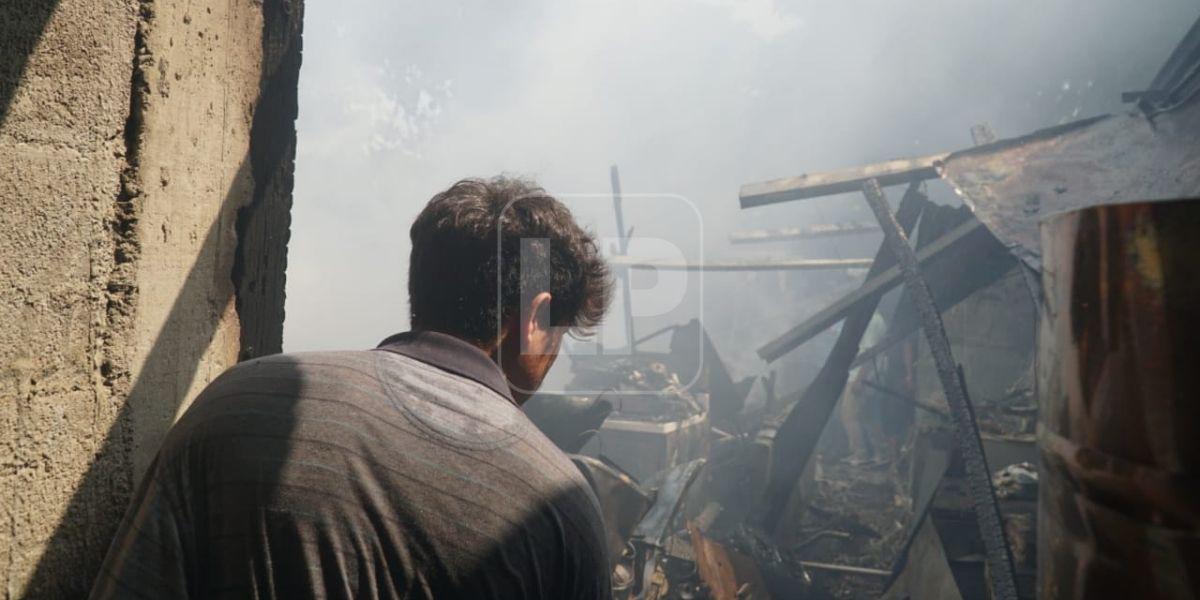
{"points": [[1013, 184]]}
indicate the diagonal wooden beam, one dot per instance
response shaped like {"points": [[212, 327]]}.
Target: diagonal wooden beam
{"points": [[948, 295], [870, 291]]}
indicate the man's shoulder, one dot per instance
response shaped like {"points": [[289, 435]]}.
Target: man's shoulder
{"points": [[285, 384], [310, 359], [274, 369]]}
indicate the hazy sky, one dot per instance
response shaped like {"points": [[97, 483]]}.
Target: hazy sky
{"points": [[691, 98]]}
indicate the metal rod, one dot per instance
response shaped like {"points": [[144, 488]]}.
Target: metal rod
{"points": [[979, 480], [788, 234], [622, 235], [820, 566]]}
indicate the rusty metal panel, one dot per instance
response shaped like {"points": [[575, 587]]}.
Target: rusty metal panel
{"points": [[1119, 506], [1012, 185]]}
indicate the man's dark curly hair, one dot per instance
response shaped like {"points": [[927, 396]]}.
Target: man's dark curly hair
{"points": [[505, 236]]}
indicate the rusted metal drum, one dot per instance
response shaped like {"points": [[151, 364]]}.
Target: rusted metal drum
{"points": [[1119, 388]]}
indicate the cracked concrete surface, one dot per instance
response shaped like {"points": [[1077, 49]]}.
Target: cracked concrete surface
{"points": [[126, 132]]}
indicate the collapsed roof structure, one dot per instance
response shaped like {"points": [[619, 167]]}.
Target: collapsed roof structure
{"points": [[1150, 153]]}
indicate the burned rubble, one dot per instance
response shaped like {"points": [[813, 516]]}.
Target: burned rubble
{"points": [[908, 464]]}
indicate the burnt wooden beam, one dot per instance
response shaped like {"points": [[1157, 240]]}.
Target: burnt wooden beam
{"points": [[869, 293], [979, 480], [812, 185], [819, 264]]}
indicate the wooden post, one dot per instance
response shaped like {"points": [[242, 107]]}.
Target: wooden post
{"points": [[623, 236]]}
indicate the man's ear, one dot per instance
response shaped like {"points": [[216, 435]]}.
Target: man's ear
{"points": [[535, 323]]}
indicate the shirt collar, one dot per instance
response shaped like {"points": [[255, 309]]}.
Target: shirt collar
{"points": [[451, 354]]}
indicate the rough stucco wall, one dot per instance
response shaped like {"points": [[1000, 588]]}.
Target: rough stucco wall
{"points": [[61, 346], [200, 67], [144, 222]]}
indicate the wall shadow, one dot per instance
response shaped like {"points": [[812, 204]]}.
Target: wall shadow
{"points": [[22, 23], [86, 526], [75, 550], [225, 456]]}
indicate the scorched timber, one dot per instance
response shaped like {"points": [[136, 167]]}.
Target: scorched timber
{"points": [[832, 264], [840, 181], [787, 234]]}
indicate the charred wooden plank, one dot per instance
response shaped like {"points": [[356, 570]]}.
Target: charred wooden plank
{"points": [[812, 185], [798, 264]]}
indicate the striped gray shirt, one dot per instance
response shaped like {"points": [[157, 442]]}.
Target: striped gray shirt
{"points": [[404, 472]]}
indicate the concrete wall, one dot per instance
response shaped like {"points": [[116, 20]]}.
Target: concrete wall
{"points": [[145, 181]]}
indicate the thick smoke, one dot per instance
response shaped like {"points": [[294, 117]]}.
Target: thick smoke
{"points": [[689, 97]]}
